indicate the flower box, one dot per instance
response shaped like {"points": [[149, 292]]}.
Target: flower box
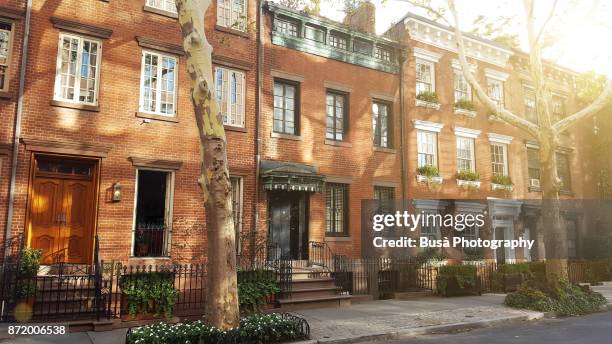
{"points": [[429, 180], [468, 183], [501, 187], [426, 104], [464, 112]]}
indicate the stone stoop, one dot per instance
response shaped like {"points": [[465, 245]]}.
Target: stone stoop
{"points": [[312, 287]]}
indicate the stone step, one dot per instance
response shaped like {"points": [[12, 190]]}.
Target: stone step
{"points": [[314, 292], [324, 282], [314, 302]]}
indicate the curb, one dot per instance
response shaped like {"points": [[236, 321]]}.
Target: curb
{"points": [[435, 329]]}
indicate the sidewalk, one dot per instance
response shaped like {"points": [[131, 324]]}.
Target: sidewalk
{"points": [[387, 319]]}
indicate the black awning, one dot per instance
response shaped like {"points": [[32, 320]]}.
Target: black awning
{"points": [[289, 176]]}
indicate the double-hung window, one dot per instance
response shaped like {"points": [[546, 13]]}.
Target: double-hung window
{"points": [[78, 69], [563, 171], [287, 27], [531, 113], [495, 90], [6, 36], [465, 154], [164, 5], [336, 111], [229, 84], [425, 76], [427, 148], [499, 159], [232, 14], [336, 209], [286, 105], [461, 86], [381, 124], [385, 196], [533, 165], [158, 83]]}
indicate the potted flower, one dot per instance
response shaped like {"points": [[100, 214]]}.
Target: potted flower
{"points": [[465, 107], [429, 174], [25, 289], [428, 99], [501, 182], [467, 178]]}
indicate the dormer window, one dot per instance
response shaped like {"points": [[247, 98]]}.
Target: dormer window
{"points": [[338, 40], [362, 47], [382, 54], [314, 33], [287, 27]]}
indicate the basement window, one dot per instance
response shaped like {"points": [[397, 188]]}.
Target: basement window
{"points": [[152, 221]]}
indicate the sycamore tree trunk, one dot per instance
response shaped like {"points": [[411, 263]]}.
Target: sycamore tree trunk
{"points": [[221, 285]]}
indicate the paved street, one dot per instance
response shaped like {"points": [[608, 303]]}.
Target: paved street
{"points": [[591, 329]]}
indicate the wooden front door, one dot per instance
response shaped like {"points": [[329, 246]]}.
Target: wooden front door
{"points": [[61, 218]]}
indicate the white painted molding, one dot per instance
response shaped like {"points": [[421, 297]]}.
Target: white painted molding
{"points": [[426, 55], [467, 132], [428, 126], [532, 144], [496, 74], [457, 65], [499, 138], [382, 96]]}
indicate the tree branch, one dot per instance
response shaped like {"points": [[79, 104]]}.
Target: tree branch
{"points": [[547, 21], [602, 100], [503, 113], [426, 5]]}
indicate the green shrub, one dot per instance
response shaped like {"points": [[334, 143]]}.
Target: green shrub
{"points": [[30, 262], [428, 96], [567, 300], [468, 175], [149, 290], [502, 180], [428, 171], [254, 286], [25, 290], [465, 104], [258, 328], [465, 275]]}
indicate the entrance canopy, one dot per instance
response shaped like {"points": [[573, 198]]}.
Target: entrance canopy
{"points": [[288, 176]]}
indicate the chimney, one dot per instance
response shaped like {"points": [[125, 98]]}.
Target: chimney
{"points": [[363, 18]]}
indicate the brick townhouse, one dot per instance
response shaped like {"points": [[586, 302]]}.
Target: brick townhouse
{"points": [[108, 141], [320, 115]]}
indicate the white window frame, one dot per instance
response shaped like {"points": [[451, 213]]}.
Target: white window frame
{"points": [[58, 74], [158, 92], [162, 5], [504, 151], [421, 134], [471, 145], [227, 109], [229, 17], [7, 63], [168, 211], [432, 74], [459, 73], [500, 83], [240, 181]]}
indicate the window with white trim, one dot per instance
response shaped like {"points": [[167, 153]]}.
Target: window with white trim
{"points": [[499, 159], [461, 86], [164, 5], [495, 90], [465, 154], [229, 84], [78, 69], [232, 14], [237, 202], [158, 83], [425, 76], [531, 113], [6, 36], [427, 148]]}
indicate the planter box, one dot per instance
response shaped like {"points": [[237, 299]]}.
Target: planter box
{"points": [[468, 183], [464, 112], [429, 180], [453, 289], [501, 187], [426, 104]]}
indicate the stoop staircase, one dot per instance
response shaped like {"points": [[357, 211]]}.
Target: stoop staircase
{"points": [[312, 287]]}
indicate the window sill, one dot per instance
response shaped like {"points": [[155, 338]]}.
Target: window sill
{"points": [[338, 143], [430, 180], [501, 187], [468, 183], [384, 150], [429, 105], [6, 95], [160, 12], [534, 189], [233, 128], [286, 136], [232, 31], [157, 117], [78, 106], [466, 113], [338, 238]]}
